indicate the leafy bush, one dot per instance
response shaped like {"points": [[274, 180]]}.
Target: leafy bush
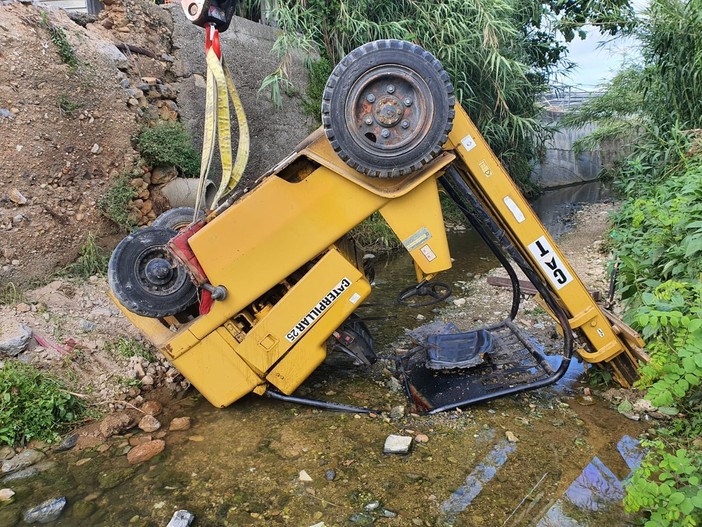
{"points": [[34, 405], [667, 485], [168, 143], [115, 203]]}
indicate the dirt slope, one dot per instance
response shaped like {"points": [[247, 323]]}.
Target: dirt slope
{"points": [[51, 172]]}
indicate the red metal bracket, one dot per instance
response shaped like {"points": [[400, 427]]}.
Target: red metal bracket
{"points": [[212, 40]]}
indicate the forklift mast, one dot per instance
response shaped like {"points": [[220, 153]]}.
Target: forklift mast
{"points": [[288, 277]]}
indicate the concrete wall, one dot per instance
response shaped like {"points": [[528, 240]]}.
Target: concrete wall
{"points": [[561, 167], [246, 47]]}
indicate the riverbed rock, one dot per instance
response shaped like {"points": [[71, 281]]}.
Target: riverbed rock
{"points": [[181, 518], [114, 424], [179, 424], [14, 337], [45, 512], [6, 494], [304, 476], [395, 444], [6, 452], [511, 437], [139, 440], [109, 480], [142, 453], [152, 408], [398, 412], [24, 459], [149, 424], [68, 443], [29, 472], [84, 509]]}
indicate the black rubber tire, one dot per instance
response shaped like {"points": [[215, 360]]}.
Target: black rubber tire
{"points": [[128, 282], [177, 219], [361, 72]]}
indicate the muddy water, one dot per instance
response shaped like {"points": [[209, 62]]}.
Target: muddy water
{"points": [[241, 466]]}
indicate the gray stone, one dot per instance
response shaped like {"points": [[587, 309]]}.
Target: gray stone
{"points": [[29, 472], [362, 519], [398, 412], [87, 326], [110, 51], [68, 443], [149, 424], [330, 474], [22, 460], [45, 512], [373, 505], [395, 444], [181, 518], [14, 338]]}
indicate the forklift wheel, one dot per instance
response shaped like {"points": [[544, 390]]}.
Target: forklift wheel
{"points": [[387, 108], [144, 277], [177, 219]]}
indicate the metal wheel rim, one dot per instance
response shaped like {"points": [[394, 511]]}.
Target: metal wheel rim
{"points": [[389, 109], [142, 261]]}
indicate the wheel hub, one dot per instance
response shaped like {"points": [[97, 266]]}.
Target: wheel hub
{"points": [[158, 271], [385, 105], [388, 111]]}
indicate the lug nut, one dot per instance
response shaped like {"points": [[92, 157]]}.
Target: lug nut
{"points": [[370, 97], [405, 124], [369, 121], [385, 133], [408, 101], [390, 88]]}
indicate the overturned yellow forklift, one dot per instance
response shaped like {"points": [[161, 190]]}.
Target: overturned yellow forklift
{"points": [[253, 295]]}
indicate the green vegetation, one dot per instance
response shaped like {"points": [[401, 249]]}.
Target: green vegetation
{"points": [[34, 405], [126, 348], [319, 71], [115, 202], [168, 143], [63, 46], [92, 260], [68, 106], [657, 239]]}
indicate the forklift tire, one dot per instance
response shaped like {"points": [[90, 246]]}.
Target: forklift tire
{"points": [[387, 108], [146, 279], [177, 219]]}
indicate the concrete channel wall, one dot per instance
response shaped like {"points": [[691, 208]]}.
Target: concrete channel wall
{"points": [[561, 167]]}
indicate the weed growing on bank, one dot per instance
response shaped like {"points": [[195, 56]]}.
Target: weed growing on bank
{"points": [[92, 260], [34, 405], [114, 203], [126, 348], [168, 143]]}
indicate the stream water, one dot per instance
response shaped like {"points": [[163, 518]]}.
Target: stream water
{"points": [[540, 459]]}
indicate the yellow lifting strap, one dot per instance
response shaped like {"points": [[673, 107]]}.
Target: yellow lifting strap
{"points": [[220, 89]]}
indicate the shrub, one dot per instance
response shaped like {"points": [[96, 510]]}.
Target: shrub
{"points": [[34, 405], [115, 202], [168, 143]]}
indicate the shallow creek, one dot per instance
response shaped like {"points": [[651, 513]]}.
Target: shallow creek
{"points": [[241, 466]]}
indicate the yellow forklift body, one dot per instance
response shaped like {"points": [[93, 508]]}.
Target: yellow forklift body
{"points": [[291, 283]]}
